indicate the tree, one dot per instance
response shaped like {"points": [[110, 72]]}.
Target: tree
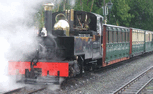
{"points": [[129, 13], [142, 9], [120, 13]]}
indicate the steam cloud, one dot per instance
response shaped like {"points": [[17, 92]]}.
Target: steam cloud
{"points": [[72, 2], [17, 33]]}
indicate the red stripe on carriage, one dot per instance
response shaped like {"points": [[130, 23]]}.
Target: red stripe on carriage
{"points": [[104, 45]]}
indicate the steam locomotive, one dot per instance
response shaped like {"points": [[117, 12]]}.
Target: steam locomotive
{"points": [[72, 42]]}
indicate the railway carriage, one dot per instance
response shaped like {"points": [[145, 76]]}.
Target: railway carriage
{"points": [[138, 41], [116, 44], [148, 41], [72, 42]]}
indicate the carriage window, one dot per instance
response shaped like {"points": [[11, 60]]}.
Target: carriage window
{"points": [[115, 36], [119, 36], [140, 36], [107, 36], [127, 36], [110, 37], [137, 37], [150, 37], [147, 36], [134, 36], [123, 36]]}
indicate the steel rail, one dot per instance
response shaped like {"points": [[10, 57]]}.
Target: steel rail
{"points": [[143, 87], [128, 84], [25, 92], [13, 91], [34, 91]]}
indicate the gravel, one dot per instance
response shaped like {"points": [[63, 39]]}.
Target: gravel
{"points": [[106, 80], [148, 89]]}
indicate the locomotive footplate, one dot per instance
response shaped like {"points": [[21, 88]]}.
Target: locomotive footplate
{"points": [[34, 77]]}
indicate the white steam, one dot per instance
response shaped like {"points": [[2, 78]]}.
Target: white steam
{"points": [[72, 3], [58, 2], [3, 49], [17, 33], [6, 82]]}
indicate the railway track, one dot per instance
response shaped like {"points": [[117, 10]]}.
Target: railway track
{"points": [[136, 85], [145, 89], [13, 91], [25, 90]]}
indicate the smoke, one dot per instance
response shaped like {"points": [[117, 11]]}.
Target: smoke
{"points": [[72, 3], [3, 50], [58, 2], [6, 82], [17, 35]]}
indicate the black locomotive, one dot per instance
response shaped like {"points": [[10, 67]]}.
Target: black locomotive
{"points": [[69, 43]]}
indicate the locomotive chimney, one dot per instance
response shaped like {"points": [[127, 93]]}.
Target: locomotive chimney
{"points": [[48, 16]]}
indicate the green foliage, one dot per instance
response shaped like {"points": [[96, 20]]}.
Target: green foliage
{"points": [[142, 9], [129, 13], [39, 18], [121, 15], [78, 5]]}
